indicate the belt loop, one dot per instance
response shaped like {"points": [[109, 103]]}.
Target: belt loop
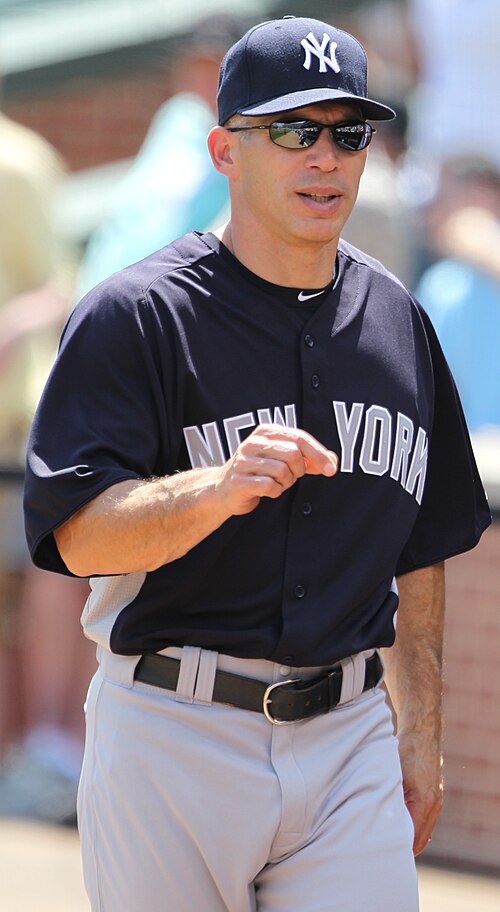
{"points": [[206, 677], [188, 673], [359, 666], [347, 690], [117, 668], [332, 691], [353, 680]]}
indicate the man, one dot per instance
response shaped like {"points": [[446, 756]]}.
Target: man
{"points": [[240, 752]]}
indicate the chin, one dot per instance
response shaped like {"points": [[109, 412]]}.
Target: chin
{"points": [[319, 233]]}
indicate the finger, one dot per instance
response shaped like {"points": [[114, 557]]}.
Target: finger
{"points": [[326, 464], [255, 449], [424, 815], [247, 478], [246, 491], [283, 469], [260, 453], [279, 458], [424, 833], [318, 459]]}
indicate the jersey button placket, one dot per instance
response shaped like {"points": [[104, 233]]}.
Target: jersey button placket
{"points": [[298, 591], [310, 342], [306, 507]]}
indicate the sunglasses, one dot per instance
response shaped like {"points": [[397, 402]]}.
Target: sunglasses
{"points": [[351, 135]]}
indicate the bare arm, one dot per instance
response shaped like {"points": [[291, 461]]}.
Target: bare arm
{"points": [[141, 525], [414, 680]]}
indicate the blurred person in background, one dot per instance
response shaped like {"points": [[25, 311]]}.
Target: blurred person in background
{"points": [[456, 101], [168, 191], [40, 699], [461, 289], [454, 105]]}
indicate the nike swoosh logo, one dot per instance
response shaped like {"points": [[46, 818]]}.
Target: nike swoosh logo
{"points": [[303, 297]]}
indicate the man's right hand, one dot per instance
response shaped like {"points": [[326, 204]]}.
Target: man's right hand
{"points": [[268, 462]]}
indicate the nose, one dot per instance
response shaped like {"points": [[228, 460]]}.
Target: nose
{"points": [[325, 153]]}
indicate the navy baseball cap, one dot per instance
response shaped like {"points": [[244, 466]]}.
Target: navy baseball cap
{"points": [[291, 62]]}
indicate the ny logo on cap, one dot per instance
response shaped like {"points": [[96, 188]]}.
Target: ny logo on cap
{"points": [[312, 46]]}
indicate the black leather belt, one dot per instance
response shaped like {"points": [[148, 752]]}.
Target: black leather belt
{"points": [[285, 701]]}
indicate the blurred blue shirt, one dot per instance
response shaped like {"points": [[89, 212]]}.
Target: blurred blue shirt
{"points": [[172, 187], [464, 306]]}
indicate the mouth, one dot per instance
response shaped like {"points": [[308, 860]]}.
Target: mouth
{"points": [[320, 197]]}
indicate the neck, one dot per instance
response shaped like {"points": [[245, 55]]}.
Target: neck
{"points": [[291, 265]]}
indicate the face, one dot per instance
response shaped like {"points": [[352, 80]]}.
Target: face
{"points": [[298, 196]]}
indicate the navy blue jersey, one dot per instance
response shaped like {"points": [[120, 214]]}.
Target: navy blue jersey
{"points": [[170, 363]]}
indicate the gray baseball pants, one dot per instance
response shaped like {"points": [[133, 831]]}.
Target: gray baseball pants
{"points": [[189, 806]]}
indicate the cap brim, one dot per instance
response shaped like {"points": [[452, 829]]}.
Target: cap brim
{"points": [[372, 109]]}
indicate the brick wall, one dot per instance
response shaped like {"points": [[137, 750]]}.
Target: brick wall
{"points": [[93, 121], [469, 828]]}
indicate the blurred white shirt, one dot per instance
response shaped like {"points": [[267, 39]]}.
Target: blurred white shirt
{"points": [[456, 108]]}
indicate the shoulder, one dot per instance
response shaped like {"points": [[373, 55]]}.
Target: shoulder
{"points": [[391, 310], [153, 281], [373, 269], [138, 305], [376, 285]]}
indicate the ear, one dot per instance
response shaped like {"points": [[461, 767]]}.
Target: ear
{"points": [[220, 145]]}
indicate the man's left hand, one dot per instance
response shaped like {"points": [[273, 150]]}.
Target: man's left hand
{"points": [[423, 785]]}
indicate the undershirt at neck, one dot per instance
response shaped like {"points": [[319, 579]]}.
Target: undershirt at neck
{"points": [[305, 301]]}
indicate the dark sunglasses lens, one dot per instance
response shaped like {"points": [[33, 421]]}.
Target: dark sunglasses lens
{"points": [[353, 136], [293, 135]]}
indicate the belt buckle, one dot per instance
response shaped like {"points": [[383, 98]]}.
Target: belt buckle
{"points": [[267, 700]]}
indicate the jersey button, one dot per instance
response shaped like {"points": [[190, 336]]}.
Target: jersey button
{"points": [[285, 670], [315, 381], [309, 340], [300, 590], [307, 508]]}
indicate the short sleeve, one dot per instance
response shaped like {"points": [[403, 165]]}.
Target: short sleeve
{"points": [[454, 511], [101, 418]]}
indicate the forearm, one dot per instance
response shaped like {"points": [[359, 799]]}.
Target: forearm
{"points": [[139, 526], [414, 680], [414, 663]]}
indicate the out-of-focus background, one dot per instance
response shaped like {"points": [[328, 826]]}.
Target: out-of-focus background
{"points": [[104, 110]]}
